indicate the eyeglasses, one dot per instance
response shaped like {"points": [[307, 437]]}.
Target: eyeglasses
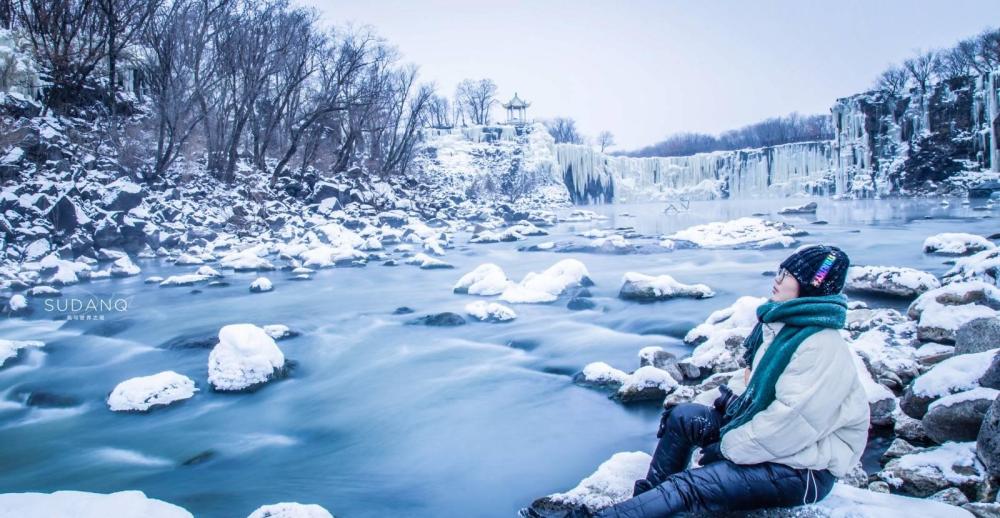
{"points": [[782, 273]]}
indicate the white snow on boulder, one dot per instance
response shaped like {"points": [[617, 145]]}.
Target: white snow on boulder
{"points": [[983, 266], [486, 279], [208, 271], [188, 260], [938, 463], [890, 280], [124, 267], [647, 377], [142, 393], [955, 374], [977, 393], [719, 338], [490, 311], [956, 243], [260, 285], [324, 256], [17, 303], [10, 348], [245, 356], [183, 280], [742, 232], [638, 286], [290, 510], [426, 262], [277, 331], [548, 285], [940, 312], [612, 483], [600, 373], [79, 504], [248, 259]]}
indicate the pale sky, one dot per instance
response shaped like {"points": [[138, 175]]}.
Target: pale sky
{"points": [[646, 69]]}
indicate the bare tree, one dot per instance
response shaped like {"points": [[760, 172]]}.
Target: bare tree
{"points": [[123, 21], [922, 68], [605, 139], [439, 112], [69, 39], [477, 98], [893, 80], [563, 130]]}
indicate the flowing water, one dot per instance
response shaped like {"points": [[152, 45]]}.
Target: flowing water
{"points": [[379, 418]]}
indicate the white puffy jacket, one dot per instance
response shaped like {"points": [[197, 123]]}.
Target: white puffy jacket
{"points": [[819, 418]]}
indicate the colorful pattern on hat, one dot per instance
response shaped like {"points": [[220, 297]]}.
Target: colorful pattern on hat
{"points": [[824, 269]]}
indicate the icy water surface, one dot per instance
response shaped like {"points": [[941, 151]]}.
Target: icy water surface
{"points": [[383, 419]]}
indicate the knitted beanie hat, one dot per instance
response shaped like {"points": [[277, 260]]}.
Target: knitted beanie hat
{"points": [[820, 270]]}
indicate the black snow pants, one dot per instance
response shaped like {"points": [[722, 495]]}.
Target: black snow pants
{"points": [[669, 488]]}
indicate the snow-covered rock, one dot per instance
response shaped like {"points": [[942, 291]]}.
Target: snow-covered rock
{"points": [[890, 280], [183, 280], [807, 208], [490, 311], [548, 285], [957, 417], [637, 286], [940, 312], [279, 331], [17, 304], [486, 279], [956, 374], [188, 260], [79, 504], [208, 271], [10, 348], [881, 400], [250, 259], [290, 510], [612, 483], [124, 267], [325, 256], [983, 266], [246, 356], [602, 375], [739, 233], [260, 285], [645, 384], [926, 472], [142, 393], [426, 262], [956, 243], [719, 339]]}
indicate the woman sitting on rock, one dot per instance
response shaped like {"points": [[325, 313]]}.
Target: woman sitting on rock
{"points": [[801, 421]]}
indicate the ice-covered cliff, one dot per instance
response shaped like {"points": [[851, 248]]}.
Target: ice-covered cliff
{"points": [[940, 140], [591, 176]]}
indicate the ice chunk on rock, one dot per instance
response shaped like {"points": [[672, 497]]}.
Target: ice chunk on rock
{"points": [[426, 262], [246, 356], [548, 285], [260, 285], [142, 393]]}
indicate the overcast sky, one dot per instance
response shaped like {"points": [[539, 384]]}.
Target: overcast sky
{"points": [[647, 69]]}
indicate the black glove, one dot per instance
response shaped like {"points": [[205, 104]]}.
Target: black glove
{"points": [[711, 453], [663, 422], [726, 398]]}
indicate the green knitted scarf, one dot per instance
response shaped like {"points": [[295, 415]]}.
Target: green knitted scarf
{"points": [[803, 317]]}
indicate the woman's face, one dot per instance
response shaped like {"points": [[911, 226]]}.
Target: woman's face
{"points": [[785, 287]]}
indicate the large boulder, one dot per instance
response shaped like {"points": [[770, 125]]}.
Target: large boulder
{"points": [[988, 440], [978, 335], [956, 243], [79, 504], [941, 311], [956, 374], [290, 510], [122, 195], [958, 417]]}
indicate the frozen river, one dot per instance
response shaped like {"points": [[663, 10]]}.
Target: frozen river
{"points": [[379, 418]]}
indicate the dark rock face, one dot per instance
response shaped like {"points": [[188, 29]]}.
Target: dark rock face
{"points": [[957, 422], [991, 378], [981, 334], [913, 405], [580, 304], [988, 440]]}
